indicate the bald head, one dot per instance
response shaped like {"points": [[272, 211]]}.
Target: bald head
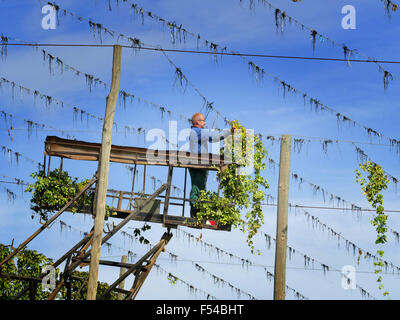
{"points": [[198, 120]]}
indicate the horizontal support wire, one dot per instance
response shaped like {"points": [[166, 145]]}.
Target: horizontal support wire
{"points": [[330, 208], [201, 52]]}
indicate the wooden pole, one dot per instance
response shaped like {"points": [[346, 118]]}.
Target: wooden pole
{"points": [[167, 195], [103, 169], [184, 193], [282, 219], [121, 273]]}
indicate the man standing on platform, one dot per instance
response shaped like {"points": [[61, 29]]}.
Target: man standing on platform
{"points": [[199, 140]]}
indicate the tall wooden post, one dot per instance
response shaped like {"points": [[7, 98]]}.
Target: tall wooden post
{"points": [[121, 273], [103, 169], [282, 219]]}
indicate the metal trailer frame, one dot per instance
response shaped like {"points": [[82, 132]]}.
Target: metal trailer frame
{"points": [[79, 254]]}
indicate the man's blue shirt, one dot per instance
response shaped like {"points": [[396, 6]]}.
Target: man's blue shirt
{"points": [[200, 138]]}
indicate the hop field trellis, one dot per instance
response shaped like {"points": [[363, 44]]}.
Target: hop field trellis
{"points": [[58, 65]]}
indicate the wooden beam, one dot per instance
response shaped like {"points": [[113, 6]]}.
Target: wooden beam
{"points": [[167, 193], [168, 219], [122, 271], [144, 272], [81, 150], [159, 246]]}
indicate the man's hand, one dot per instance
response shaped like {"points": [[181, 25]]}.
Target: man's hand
{"points": [[233, 128]]}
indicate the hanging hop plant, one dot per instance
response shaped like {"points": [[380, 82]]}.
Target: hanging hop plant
{"points": [[51, 193], [240, 189], [372, 186]]}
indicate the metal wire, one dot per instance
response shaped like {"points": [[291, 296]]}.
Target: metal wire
{"points": [[203, 52]]}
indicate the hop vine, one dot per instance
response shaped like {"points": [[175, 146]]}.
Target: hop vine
{"points": [[52, 192], [240, 190], [372, 186]]}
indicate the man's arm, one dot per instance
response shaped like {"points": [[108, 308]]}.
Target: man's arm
{"points": [[215, 136]]}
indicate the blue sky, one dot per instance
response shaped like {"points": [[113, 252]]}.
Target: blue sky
{"points": [[354, 90]]}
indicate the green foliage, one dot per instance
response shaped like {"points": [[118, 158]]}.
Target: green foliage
{"points": [[24, 263], [372, 186], [377, 181], [137, 233], [52, 193], [239, 190], [30, 263]]}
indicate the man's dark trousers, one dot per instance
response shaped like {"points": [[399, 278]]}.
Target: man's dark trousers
{"points": [[199, 181]]}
